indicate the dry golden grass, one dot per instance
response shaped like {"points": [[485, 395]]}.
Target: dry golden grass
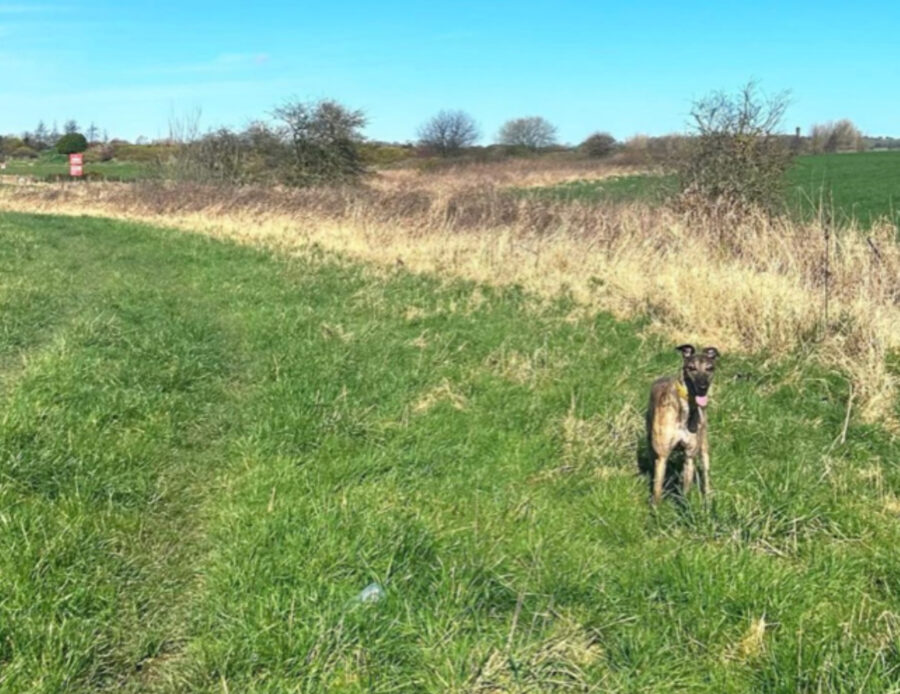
{"points": [[516, 171], [752, 643], [750, 284], [611, 433], [557, 663], [524, 369], [442, 393]]}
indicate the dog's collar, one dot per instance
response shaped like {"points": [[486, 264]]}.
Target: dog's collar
{"points": [[682, 390]]}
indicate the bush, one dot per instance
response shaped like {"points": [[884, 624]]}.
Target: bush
{"points": [[147, 154], [378, 154], [515, 151], [71, 143], [221, 156], [736, 158], [314, 143], [257, 155], [98, 153], [323, 140], [10, 144], [598, 145], [24, 152], [51, 156]]}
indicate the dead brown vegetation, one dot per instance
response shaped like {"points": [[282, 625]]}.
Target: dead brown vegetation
{"points": [[527, 171], [752, 283]]}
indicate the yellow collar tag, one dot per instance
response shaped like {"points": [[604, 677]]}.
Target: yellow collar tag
{"points": [[682, 389]]}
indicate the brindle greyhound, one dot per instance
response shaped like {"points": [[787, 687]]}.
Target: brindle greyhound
{"points": [[677, 418]]}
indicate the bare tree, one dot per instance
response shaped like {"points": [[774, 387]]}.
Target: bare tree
{"points": [[70, 126], [41, 136], [842, 136], [323, 136], [448, 132], [219, 156], [736, 156], [92, 133], [532, 132], [185, 127], [747, 113]]}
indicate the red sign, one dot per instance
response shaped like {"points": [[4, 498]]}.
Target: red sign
{"points": [[76, 164]]}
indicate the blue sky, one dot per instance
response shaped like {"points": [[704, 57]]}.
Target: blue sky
{"points": [[625, 67]]}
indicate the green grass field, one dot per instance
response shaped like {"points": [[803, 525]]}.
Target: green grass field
{"points": [[864, 187], [207, 452], [647, 187], [58, 166]]}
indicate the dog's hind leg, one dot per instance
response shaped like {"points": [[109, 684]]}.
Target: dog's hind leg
{"points": [[661, 454], [688, 476], [659, 476]]}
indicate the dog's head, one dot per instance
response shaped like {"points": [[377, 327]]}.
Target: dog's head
{"points": [[698, 369]]}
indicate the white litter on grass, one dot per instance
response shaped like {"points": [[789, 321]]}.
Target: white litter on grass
{"points": [[371, 593]]}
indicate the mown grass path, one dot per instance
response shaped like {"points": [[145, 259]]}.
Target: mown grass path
{"points": [[206, 452]]}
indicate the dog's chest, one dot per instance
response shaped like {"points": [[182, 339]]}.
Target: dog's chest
{"points": [[690, 431]]}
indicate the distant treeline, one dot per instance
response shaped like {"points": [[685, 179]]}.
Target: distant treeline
{"points": [[308, 143], [447, 134], [638, 149], [876, 143]]}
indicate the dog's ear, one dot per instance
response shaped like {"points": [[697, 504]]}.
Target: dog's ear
{"points": [[711, 352], [686, 350]]}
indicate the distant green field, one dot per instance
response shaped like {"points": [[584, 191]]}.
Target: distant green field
{"points": [[863, 186], [125, 170], [207, 453]]}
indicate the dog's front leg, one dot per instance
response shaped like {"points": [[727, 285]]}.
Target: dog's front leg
{"points": [[688, 476], [704, 470]]}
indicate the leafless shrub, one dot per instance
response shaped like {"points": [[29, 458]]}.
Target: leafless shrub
{"points": [[448, 132], [842, 136], [314, 143], [530, 133], [736, 159]]}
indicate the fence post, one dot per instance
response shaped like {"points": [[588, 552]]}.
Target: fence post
{"points": [[827, 279]]}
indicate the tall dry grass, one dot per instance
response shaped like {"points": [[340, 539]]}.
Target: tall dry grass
{"points": [[751, 283], [544, 170]]}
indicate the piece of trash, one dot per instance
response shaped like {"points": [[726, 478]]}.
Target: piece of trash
{"points": [[371, 593]]}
